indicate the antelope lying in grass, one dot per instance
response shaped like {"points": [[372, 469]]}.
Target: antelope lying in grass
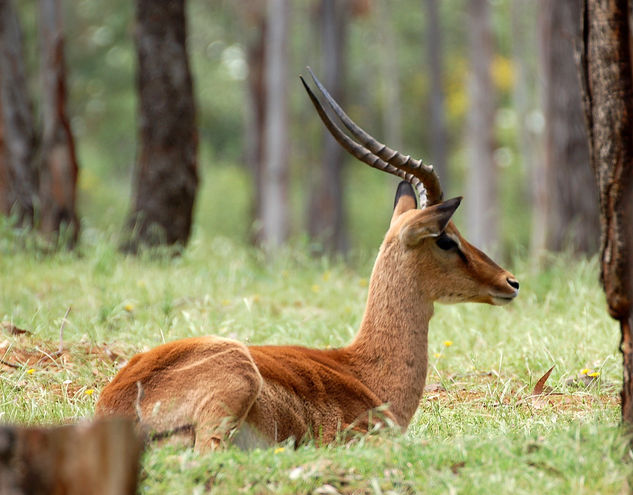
{"points": [[212, 389]]}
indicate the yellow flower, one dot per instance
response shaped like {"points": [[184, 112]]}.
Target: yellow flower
{"points": [[30, 371], [362, 282], [89, 391], [129, 307], [594, 374], [437, 355], [326, 276], [316, 288], [448, 343], [278, 450], [584, 371]]}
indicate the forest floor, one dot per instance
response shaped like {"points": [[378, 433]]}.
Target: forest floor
{"points": [[479, 428]]}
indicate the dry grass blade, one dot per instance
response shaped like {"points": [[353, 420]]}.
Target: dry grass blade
{"points": [[60, 350]]}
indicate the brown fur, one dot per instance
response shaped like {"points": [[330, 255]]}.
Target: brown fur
{"points": [[267, 394]]}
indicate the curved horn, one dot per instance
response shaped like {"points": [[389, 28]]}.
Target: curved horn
{"points": [[410, 166], [360, 152]]}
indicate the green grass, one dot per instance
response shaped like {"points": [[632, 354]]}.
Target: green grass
{"points": [[476, 431]]}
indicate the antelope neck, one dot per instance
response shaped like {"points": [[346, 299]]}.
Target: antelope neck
{"points": [[389, 352]]}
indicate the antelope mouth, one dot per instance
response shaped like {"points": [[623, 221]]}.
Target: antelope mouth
{"points": [[500, 300]]}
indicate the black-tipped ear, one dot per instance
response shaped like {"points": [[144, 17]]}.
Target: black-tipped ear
{"points": [[405, 189], [446, 209], [429, 222], [405, 200]]}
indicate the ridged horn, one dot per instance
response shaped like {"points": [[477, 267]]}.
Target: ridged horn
{"points": [[374, 153]]}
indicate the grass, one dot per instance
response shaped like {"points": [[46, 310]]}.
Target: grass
{"points": [[476, 431]]}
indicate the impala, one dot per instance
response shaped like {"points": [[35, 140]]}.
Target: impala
{"points": [[211, 390]]}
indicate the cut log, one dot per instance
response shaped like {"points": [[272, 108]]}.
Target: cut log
{"points": [[100, 458]]}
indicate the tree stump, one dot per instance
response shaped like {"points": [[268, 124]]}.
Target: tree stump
{"points": [[99, 458]]}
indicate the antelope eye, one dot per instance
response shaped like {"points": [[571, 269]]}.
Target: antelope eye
{"points": [[445, 242]]}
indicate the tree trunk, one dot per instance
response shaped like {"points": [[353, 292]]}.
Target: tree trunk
{"points": [[572, 210], [275, 177], [100, 458], [5, 206], [253, 13], [482, 215], [605, 64], [166, 176], [17, 113], [436, 71], [58, 177], [326, 215], [526, 95], [389, 73]]}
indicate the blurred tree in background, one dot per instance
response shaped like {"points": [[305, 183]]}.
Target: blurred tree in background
{"points": [[570, 194], [20, 136], [404, 68], [326, 213], [482, 218], [166, 175], [59, 169], [38, 170]]}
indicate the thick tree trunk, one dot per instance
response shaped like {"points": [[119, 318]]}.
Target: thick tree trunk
{"points": [[605, 63], [17, 113], [326, 215], [58, 177], [572, 209], [436, 70], [275, 177], [482, 174], [166, 176], [101, 458]]}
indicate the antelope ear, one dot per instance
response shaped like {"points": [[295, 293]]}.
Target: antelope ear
{"points": [[431, 222], [405, 200]]}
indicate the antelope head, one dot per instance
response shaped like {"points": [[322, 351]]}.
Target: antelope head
{"points": [[424, 241]]}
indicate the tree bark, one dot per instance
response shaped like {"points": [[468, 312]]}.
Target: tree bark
{"points": [[388, 71], [482, 174], [527, 97], [436, 70], [275, 177], [326, 215], [5, 206], [17, 113], [166, 176], [100, 458], [253, 14], [572, 209], [58, 176], [605, 64]]}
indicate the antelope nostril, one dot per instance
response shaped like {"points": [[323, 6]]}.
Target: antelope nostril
{"points": [[513, 283]]}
